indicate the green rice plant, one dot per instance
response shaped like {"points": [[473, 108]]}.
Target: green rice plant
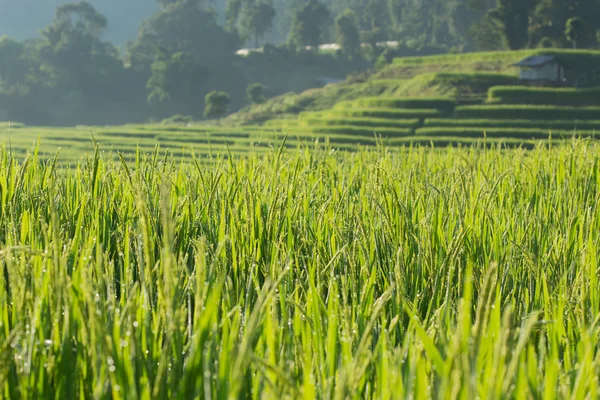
{"points": [[524, 133], [527, 112], [414, 272], [498, 143]]}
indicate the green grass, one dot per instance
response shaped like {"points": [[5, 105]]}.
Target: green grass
{"points": [[383, 273]]}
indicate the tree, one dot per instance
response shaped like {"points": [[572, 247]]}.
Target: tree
{"points": [[187, 27], [233, 10], [13, 68], [550, 18], [72, 50], [346, 32], [215, 104], [176, 82], [375, 16], [257, 19], [255, 93], [309, 24], [512, 17], [547, 24], [574, 30], [18, 77], [167, 3], [487, 34]]}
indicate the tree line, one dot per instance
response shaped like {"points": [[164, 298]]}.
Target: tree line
{"points": [[183, 57], [456, 25]]}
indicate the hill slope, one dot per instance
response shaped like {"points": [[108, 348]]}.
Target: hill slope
{"points": [[443, 99]]}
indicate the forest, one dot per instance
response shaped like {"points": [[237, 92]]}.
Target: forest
{"points": [[69, 73]]}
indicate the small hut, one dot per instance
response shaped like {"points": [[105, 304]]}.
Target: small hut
{"points": [[542, 69]]}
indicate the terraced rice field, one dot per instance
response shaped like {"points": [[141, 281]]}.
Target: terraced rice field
{"points": [[501, 117], [456, 98], [201, 142], [484, 106]]}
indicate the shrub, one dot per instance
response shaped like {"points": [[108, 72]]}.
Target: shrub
{"points": [[216, 104], [255, 93]]}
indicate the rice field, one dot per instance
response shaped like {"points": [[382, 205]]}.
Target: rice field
{"points": [[413, 272]]}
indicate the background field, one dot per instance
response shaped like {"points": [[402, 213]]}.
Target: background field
{"points": [[209, 143]]}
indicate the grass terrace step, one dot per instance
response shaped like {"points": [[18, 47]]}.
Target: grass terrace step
{"points": [[527, 112], [445, 105], [506, 57], [488, 56], [371, 122], [544, 96], [387, 82], [280, 122], [514, 123], [364, 131], [389, 113]]}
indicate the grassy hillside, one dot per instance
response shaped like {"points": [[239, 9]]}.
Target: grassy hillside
{"points": [[462, 77]]}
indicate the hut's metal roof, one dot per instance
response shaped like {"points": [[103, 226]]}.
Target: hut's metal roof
{"points": [[536, 61]]}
